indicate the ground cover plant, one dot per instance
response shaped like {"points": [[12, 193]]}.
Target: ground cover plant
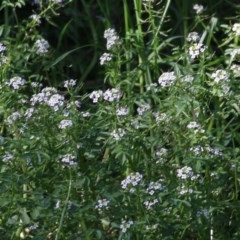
{"points": [[150, 152]]}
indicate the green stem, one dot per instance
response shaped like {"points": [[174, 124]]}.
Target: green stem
{"points": [[127, 41], [64, 208], [138, 12]]}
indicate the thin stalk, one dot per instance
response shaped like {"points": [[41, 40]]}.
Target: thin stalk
{"points": [[64, 208], [162, 19], [138, 13], [127, 41]]}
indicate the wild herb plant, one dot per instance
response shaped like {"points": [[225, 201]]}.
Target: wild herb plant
{"points": [[152, 155]]}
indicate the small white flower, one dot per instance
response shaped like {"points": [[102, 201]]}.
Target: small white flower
{"points": [[95, 95], [196, 49], [57, 206], [185, 172], [117, 134], [184, 190], [36, 18], [122, 111], [16, 82], [149, 204], [167, 79], [235, 52], [70, 83], [112, 38], [193, 37], [236, 28], [13, 117], [106, 57], [86, 114], [65, 124], [36, 84], [112, 94], [188, 78], [152, 87], [41, 46], [102, 204], [125, 225], [132, 180], [29, 112], [69, 159], [196, 127], [2, 47], [198, 8], [8, 157], [55, 101], [193, 125], [236, 70], [143, 108], [219, 75], [160, 117]]}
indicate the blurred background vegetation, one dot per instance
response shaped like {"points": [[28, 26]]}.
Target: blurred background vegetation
{"points": [[75, 31]]}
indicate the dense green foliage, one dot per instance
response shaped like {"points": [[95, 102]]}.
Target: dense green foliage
{"points": [[119, 120]]}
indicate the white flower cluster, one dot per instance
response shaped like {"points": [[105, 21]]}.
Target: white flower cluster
{"points": [[196, 127], [48, 96], [16, 82], [161, 154], [70, 83], [41, 46], [3, 58], [211, 151], [85, 114], [106, 57], [236, 70], [153, 187], [65, 124], [125, 225], [109, 95], [102, 203], [112, 94], [149, 204], [36, 18], [69, 159], [117, 134], [235, 53], [29, 112], [36, 85], [236, 28], [95, 95], [160, 117], [143, 108], [131, 181], [219, 75], [112, 38], [183, 190], [13, 117], [196, 49], [186, 173], [2, 47], [193, 37], [198, 8], [167, 79], [7, 157], [152, 87], [122, 111], [187, 79]]}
